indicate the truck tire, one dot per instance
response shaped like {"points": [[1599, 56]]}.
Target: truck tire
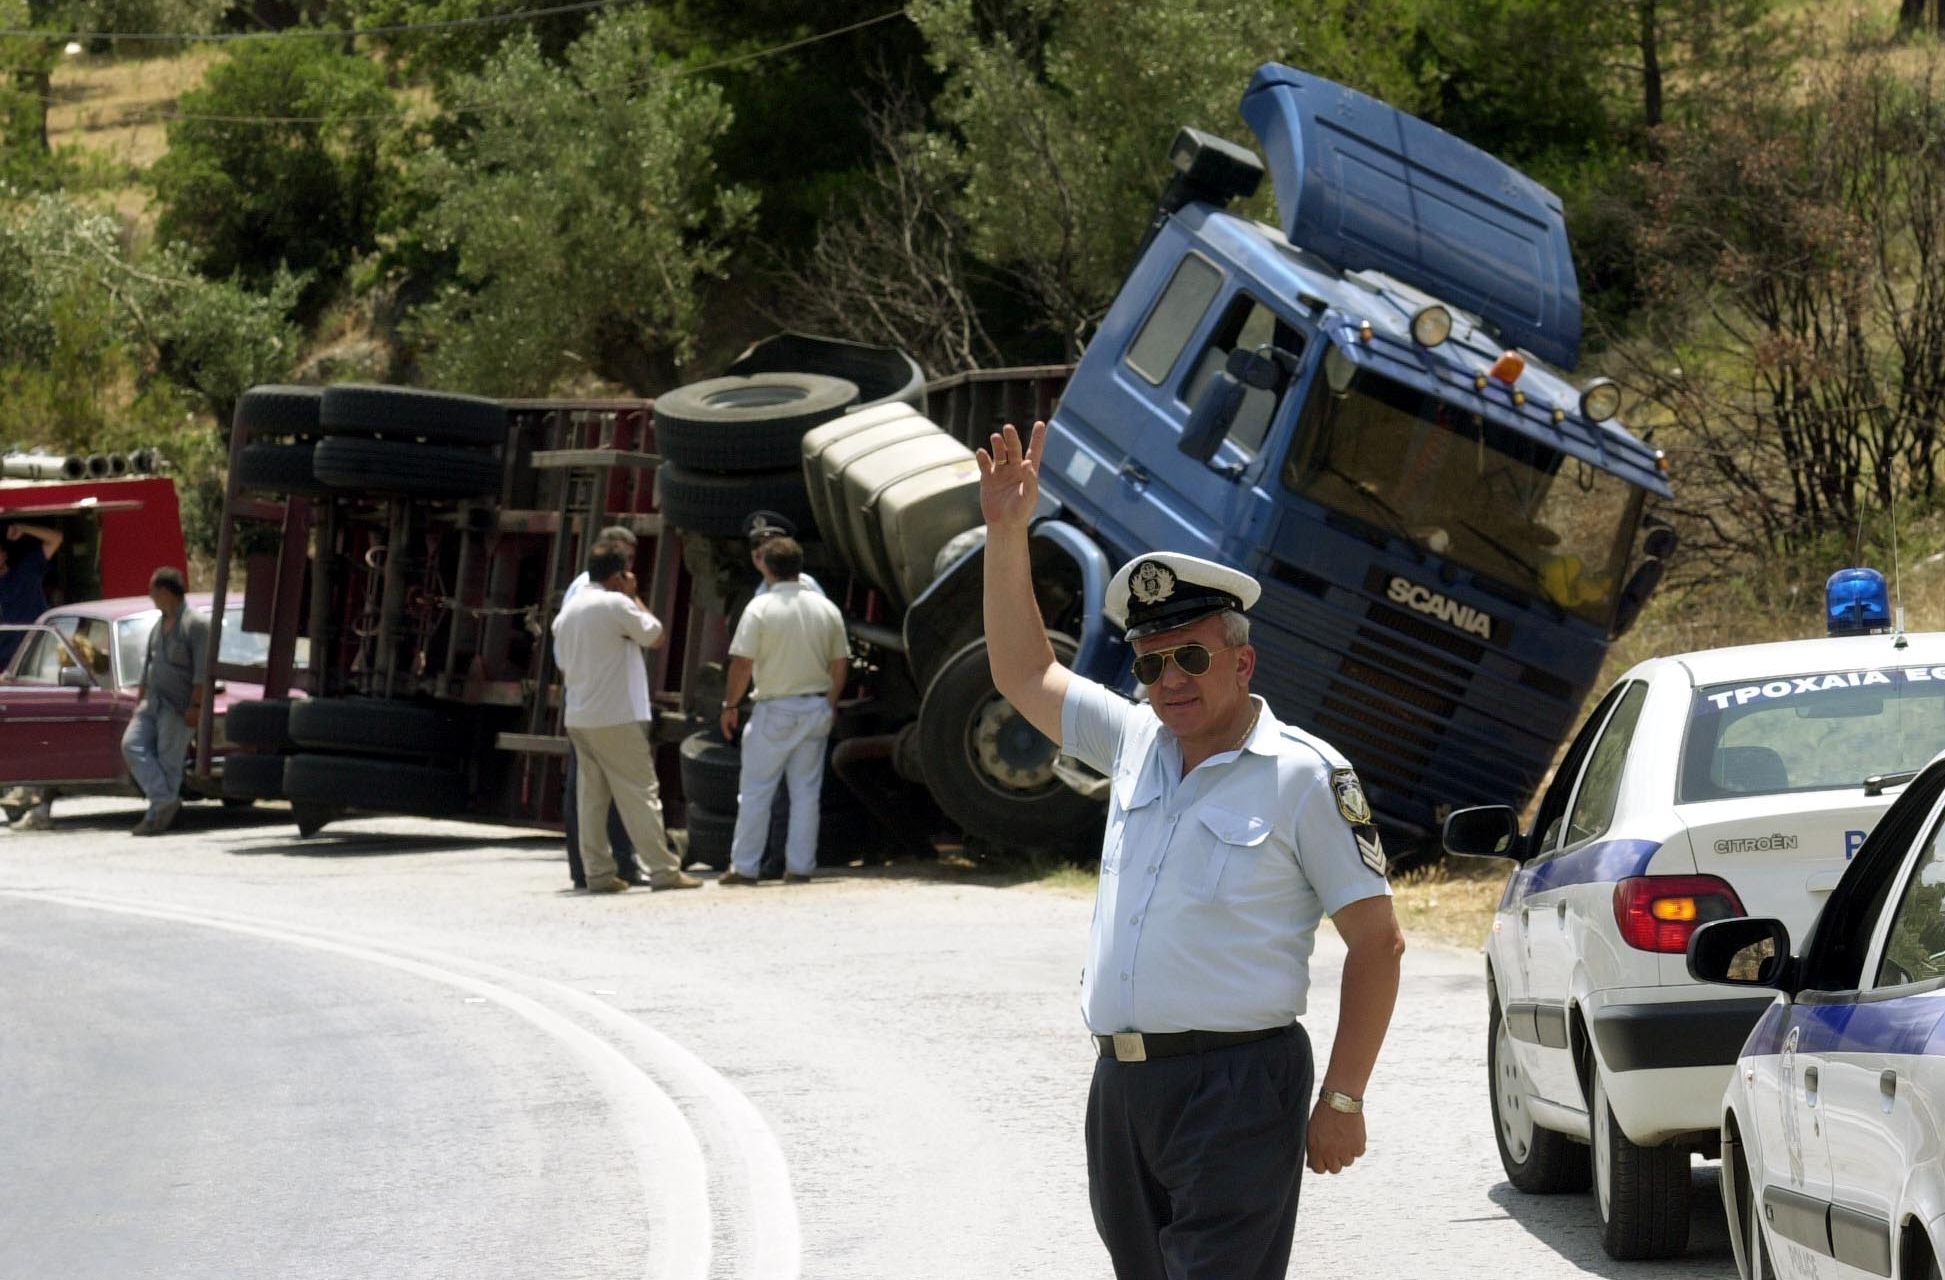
{"points": [[408, 413], [379, 786], [252, 777], [746, 424], [1641, 1193], [377, 725], [280, 468], [716, 506], [407, 469], [990, 770], [711, 771], [272, 410], [1537, 1161], [710, 831], [263, 722]]}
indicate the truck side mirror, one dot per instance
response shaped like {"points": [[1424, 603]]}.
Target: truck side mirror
{"points": [[1742, 952], [1635, 594], [1489, 831], [1216, 409], [1660, 542]]}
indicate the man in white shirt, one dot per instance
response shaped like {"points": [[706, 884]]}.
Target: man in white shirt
{"points": [[599, 636], [613, 538], [791, 641]]}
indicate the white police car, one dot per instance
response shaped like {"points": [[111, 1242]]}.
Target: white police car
{"points": [[1704, 786], [1831, 1121]]}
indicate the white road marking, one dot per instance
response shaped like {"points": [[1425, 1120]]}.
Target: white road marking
{"points": [[669, 1157]]}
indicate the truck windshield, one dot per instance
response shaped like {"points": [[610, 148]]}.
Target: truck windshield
{"points": [[1465, 489]]}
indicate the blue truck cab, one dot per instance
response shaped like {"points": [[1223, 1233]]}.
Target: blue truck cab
{"points": [[1366, 407]]}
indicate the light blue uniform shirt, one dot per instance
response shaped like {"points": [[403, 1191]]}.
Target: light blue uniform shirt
{"points": [[1211, 884]]}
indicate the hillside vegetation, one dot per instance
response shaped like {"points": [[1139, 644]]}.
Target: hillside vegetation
{"points": [[530, 200]]}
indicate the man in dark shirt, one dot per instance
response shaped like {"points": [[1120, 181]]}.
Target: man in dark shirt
{"points": [[23, 563]]}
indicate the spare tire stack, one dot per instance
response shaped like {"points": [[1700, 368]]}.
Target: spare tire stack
{"points": [[403, 442], [282, 425], [711, 774], [377, 753], [731, 446]]}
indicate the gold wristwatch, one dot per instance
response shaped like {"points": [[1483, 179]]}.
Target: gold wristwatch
{"points": [[1340, 1101]]}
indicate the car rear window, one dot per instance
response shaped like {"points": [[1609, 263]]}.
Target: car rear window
{"points": [[1817, 732]]}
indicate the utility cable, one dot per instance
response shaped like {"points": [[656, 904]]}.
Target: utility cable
{"points": [[314, 33]]}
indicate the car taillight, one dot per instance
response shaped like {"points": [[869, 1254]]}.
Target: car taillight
{"points": [[1658, 913]]}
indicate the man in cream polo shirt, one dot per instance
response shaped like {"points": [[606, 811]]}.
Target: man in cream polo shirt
{"points": [[790, 640], [599, 636]]}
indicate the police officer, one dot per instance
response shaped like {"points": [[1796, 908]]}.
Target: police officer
{"points": [[1229, 835]]}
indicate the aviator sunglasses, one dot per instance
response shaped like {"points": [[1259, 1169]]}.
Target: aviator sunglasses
{"points": [[1192, 658]]}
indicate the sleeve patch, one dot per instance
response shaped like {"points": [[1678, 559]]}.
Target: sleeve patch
{"points": [[1351, 804]]}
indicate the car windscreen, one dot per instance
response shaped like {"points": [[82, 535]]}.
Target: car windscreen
{"points": [[1831, 730], [239, 647], [1464, 488]]}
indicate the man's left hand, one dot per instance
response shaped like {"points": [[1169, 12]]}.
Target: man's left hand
{"points": [[1334, 1139], [728, 723], [192, 717]]}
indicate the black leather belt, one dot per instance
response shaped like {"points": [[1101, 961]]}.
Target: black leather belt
{"points": [[1138, 1046]]}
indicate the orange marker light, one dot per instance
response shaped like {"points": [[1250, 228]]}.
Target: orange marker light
{"points": [[1507, 368], [1674, 909]]}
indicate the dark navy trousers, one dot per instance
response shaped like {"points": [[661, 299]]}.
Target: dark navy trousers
{"points": [[1194, 1162]]}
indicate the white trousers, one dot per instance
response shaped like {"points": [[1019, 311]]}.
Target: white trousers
{"points": [[784, 740]]}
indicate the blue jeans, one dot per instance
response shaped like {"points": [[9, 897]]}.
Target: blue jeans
{"points": [[783, 743], [153, 745]]}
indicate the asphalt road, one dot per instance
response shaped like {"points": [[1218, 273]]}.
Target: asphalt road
{"points": [[403, 1050]]}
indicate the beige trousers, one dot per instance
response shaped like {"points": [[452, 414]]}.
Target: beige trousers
{"points": [[616, 764]]}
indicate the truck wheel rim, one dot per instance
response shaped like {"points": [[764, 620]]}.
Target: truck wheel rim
{"points": [[758, 397], [1603, 1149], [1008, 750], [1509, 1085]]}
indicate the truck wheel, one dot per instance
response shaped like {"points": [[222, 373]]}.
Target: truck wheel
{"points": [[1642, 1193], [717, 505], [990, 770], [272, 410], [407, 469], [746, 424], [711, 771], [280, 468], [1537, 1161], [377, 725], [380, 786], [263, 722], [252, 777], [408, 413], [710, 832]]}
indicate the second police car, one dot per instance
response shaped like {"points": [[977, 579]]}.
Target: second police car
{"points": [[1709, 785]]}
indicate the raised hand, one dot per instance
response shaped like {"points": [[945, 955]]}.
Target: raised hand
{"points": [[1009, 477]]}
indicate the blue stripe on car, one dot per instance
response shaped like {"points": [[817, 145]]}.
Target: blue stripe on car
{"points": [[1906, 1025], [1602, 863]]}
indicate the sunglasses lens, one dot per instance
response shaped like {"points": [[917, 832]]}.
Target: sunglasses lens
{"points": [[1148, 667], [1192, 658]]}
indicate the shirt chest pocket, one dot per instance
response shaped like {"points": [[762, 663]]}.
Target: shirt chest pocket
{"points": [[1134, 790], [1232, 845]]}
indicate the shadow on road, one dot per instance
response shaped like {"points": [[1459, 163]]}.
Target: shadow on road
{"points": [[1570, 1226], [381, 844]]}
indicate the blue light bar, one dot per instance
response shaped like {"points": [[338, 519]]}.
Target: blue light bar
{"points": [[1856, 602]]}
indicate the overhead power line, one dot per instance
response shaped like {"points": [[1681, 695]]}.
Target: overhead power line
{"points": [[168, 115], [315, 33]]}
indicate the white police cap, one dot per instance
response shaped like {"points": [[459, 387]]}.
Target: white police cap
{"points": [[1163, 590]]}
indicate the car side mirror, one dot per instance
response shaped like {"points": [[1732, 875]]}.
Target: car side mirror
{"points": [[1635, 594], [1215, 410], [1747, 951], [1489, 831], [75, 678]]}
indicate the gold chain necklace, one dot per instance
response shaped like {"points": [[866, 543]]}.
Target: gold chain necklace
{"points": [[1255, 714]]}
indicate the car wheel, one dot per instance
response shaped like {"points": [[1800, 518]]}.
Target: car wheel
{"points": [[990, 770], [746, 424], [261, 722], [406, 469], [711, 771], [378, 726], [1755, 1249], [1642, 1193], [252, 777], [380, 786], [278, 411], [280, 468], [408, 413], [717, 506], [1537, 1161]]}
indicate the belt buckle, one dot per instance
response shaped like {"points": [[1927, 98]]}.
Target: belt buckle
{"points": [[1128, 1047]]}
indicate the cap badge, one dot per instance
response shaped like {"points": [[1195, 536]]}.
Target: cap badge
{"points": [[1152, 582]]}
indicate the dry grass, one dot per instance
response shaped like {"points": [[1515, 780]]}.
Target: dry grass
{"points": [[115, 111], [1451, 901]]}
